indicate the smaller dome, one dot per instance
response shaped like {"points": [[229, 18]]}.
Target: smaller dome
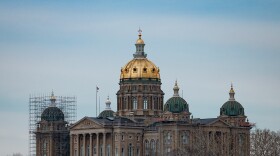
{"points": [[176, 104], [232, 108], [52, 114], [106, 113], [139, 41]]}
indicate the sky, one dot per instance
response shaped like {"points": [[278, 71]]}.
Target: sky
{"points": [[72, 46]]}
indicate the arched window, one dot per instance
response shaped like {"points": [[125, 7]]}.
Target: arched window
{"points": [[124, 102], [168, 138], [145, 103], [147, 148], [134, 102], [130, 150], [153, 148], [185, 138]]}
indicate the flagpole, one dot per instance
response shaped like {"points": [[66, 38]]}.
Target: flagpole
{"points": [[99, 105], [96, 101]]}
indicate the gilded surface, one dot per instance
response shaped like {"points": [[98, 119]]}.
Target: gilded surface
{"points": [[140, 68]]}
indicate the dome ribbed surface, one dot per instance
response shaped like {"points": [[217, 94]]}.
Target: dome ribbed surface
{"points": [[232, 108], [52, 114], [176, 105], [106, 113]]}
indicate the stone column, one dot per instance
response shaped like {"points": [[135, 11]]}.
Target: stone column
{"points": [[84, 144], [97, 144], [90, 144], [78, 145], [71, 145], [104, 144], [112, 147]]}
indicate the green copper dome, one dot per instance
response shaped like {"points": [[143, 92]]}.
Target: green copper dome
{"points": [[52, 114], [176, 104], [106, 113], [232, 107]]}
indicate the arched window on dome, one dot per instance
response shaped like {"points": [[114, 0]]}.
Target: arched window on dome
{"points": [[155, 102], [45, 144], [122, 99], [134, 102], [145, 103]]}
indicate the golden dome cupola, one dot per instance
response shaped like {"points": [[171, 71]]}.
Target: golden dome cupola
{"points": [[140, 46], [140, 66]]}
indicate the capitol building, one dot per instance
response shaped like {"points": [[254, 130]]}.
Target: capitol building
{"points": [[144, 124]]}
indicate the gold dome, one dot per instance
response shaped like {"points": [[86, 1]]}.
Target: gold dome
{"points": [[139, 40], [140, 68]]}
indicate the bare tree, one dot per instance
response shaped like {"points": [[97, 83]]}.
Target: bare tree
{"points": [[265, 143], [202, 143]]}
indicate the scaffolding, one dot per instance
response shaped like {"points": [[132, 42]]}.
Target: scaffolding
{"points": [[37, 104]]}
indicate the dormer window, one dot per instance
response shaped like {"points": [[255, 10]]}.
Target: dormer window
{"points": [[145, 70], [153, 70], [134, 70]]}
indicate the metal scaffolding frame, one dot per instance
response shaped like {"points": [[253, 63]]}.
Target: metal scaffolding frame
{"points": [[37, 104]]}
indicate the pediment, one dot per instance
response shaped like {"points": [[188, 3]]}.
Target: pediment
{"points": [[219, 123], [86, 123]]}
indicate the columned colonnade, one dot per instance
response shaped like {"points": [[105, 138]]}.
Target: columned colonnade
{"points": [[91, 144]]}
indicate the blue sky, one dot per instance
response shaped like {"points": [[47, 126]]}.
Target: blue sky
{"points": [[72, 46]]}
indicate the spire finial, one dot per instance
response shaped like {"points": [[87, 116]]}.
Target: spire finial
{"points": [[140, 33], [231, 93], [52, 99], [176, 89], [108, 103]]}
